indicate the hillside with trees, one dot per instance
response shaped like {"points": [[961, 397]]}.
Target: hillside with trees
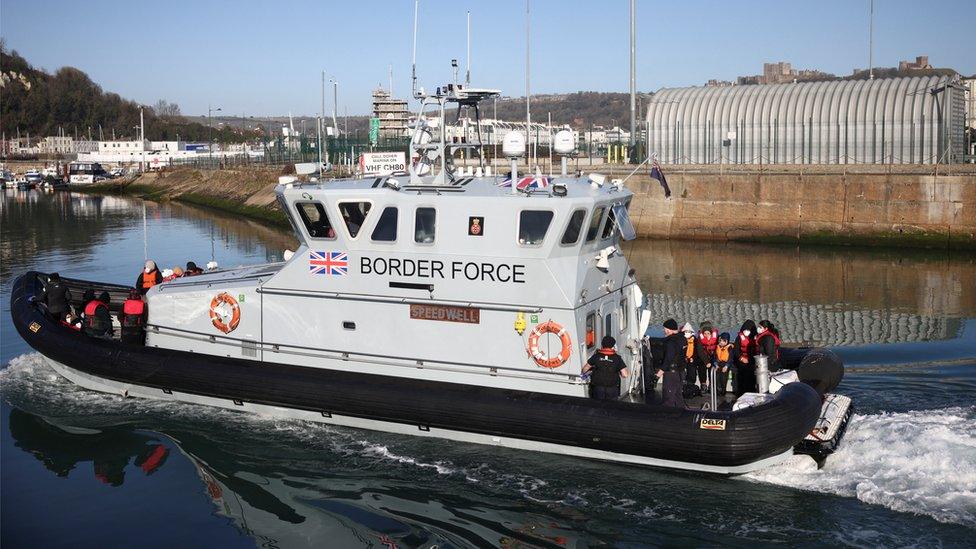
{"points": [[42, 104], [579, 109]]}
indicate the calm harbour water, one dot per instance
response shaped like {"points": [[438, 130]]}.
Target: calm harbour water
{"points": [[86, 469]]}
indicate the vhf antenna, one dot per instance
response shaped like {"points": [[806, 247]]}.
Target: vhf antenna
{"points": [[413, 75], [467, 74]]}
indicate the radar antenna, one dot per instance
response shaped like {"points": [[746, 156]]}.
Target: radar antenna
{"points": [[413, 70]]}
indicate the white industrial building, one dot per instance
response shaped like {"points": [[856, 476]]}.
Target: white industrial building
{"points": [[906, 120]]}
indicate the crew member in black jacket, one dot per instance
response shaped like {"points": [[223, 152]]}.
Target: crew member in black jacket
{"points": [[674, 344], [607, 368], [56, 296]]}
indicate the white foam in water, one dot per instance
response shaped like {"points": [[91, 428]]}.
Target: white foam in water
{"points": [[921, 462]]}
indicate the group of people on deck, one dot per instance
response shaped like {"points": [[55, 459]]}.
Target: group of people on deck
{"points": [[689, 359], [94, 317], [690, 356]]}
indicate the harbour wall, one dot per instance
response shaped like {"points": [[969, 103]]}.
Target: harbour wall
{"points": [[866, 207], [872, 206]]}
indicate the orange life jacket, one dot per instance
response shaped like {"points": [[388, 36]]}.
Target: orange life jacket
{"points": [[148, 280], [723, 354], [690, 349]]}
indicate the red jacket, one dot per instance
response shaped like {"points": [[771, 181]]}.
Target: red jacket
{"points": [[709, 341]]}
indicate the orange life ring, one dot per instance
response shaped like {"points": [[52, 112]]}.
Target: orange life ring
{"points": [[541, 358], [217, 318]]}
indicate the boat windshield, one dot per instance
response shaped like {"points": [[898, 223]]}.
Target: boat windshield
{"points": [[622, 218]]}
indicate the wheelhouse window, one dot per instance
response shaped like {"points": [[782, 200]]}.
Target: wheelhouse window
{"points": [[354, 215], [594, 227], [425, 223], [386, 227], [575, 228], [622, 218], [533, 226], [315, 219], [590, 330], [610, 226]]}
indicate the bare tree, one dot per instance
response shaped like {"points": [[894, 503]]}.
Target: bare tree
{"points": [[164, 108]]}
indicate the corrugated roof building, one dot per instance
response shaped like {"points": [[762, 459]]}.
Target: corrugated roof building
{"points": [[911, 120]]}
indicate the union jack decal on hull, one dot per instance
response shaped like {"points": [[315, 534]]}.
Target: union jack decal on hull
{"points": [[328, 263]]}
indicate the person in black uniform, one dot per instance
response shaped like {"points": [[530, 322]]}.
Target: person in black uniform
{"points": [[674, 345], [607, 368], [56, 296]]}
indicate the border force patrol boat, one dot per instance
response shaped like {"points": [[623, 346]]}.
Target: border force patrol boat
{"points": [[445, 302]]}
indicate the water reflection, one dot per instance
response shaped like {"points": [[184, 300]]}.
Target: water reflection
{"points": [[822, 296], [288, 502], [61, 450], [79, 228]]}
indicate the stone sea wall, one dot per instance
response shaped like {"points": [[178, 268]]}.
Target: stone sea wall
{"points": [[924, 210]]}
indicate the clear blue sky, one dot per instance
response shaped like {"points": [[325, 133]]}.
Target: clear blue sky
{"points": [[266, 57]]}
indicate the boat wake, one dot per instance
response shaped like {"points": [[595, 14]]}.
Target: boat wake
{"points": [[921, 462]]}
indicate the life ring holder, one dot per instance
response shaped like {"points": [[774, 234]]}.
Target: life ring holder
{"points": [[217, 319], [550, 327]]}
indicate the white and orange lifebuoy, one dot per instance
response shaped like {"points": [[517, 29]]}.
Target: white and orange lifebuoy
{"points": [[541, 358], [218, 314]]}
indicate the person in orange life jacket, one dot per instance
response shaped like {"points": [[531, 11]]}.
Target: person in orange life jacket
{"points": [[744, 369], [98, 319], [192, 269], [671, 364], [767, 343], [132, 318], [723, 362], [607, 368], [149, 277], [695, 358]]}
